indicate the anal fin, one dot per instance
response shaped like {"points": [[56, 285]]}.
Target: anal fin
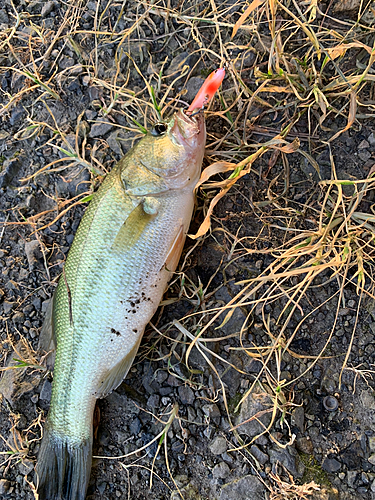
{"points": [[117, 374]]}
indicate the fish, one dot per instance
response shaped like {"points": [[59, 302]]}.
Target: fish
{"points": [[125, 250]]}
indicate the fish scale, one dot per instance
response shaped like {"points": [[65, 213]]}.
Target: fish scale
{"points": [[125, 249]]}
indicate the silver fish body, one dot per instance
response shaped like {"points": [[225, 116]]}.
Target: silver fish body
{"points": [[125, 249]]}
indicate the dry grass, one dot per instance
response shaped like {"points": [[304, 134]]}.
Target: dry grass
{"points": [[301, 69]]}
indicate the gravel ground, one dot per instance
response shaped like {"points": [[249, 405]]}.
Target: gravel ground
{"points": [[326, 433]]}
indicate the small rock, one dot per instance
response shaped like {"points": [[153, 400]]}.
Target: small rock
{"points": [[26, 466], [66, 62], [153, 401], [298, 418], [135, 426], [289, 458], [372, 459], [258, 454], [305, 445], [351, 477], [242, 489], [331, 465], [8, 306], [192, 87], [32, 250], [47, 8], [18, 317], [177, 63], [46, 391], [363, 145], [91, 114], [100, 128], [101, 487], [371, 443], [221, 470], [371, 139], [4, 486], [252, 409], [364, 155], [212, 411], [218, 446], [9, 170], [4, 18], [186, 395]]}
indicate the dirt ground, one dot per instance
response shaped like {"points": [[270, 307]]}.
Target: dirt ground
{"points": [[276, 399]]}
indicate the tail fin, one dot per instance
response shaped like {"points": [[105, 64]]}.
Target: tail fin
{"points": [[63, 468]]}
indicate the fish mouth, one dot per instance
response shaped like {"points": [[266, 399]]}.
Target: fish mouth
{"points": [[186, 128]]}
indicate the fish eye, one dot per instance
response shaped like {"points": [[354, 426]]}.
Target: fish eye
{"points": [[159, 129]]}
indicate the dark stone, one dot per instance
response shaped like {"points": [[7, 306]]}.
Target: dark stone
{"points": [[10, 170], [351, 455], [242, 489], [101, 128], [331, 465], [135, 426], [186, 395]]}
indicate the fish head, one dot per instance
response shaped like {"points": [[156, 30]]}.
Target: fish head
{"points": [[172, 152]]}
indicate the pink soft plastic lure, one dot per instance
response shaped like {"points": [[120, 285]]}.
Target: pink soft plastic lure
{"points": [[207, 91]]}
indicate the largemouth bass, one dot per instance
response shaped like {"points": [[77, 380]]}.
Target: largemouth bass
{"points": [[126, 247]]}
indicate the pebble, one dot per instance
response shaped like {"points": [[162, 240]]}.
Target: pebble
{"points": [[192, 87], [221, 471], [8, 306], [4, 18], [298, 418], [218, 446], [242, 489], [364, 155], [4, 486], [135, 426], [101, 487], [211, 411], [47, 8], [288, 458], [46, 391], [304, 444], [186, 395], [18, 317], [254, 404], [153, 401], [178, 63], [331, 465], [100, 128], [258, 454], [371, 139], [351, 477], [25, 467], [372, 459], [9, 170], [363, 145], [371, 443]]}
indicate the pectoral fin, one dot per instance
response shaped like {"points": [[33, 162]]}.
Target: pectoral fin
{"points": [[132, 229], [174, 253], [115, 376]]}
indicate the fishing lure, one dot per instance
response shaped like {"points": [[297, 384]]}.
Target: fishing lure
{"points": [[207, 91]]}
